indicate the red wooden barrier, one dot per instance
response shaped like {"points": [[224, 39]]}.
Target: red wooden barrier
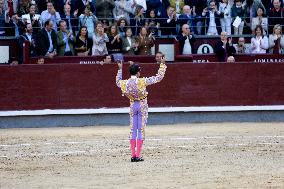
{"points": [[57, 86]]}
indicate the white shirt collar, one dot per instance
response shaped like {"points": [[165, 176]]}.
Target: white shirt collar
{"points": [[133, 77]]}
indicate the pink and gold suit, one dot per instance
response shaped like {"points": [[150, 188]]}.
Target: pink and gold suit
{"points": [[135, 89]]}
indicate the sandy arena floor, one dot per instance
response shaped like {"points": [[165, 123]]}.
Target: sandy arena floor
{"points": [[227, 155]]}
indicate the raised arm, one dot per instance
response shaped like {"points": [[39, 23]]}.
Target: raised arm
{"points": [[119, 74], [159, 76]]}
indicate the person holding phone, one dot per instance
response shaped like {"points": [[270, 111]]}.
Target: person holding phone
{"points": [[134, 88]]}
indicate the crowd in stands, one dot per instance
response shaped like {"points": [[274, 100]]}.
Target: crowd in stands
{"points": [[100, 27]]}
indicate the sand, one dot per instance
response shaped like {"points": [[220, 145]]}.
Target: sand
{"points": [[223, 155]]}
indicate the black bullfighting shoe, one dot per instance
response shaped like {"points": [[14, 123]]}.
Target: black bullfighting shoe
{"points": [[133, 159], [139, 159]]}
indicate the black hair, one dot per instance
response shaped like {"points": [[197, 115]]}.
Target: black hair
{"points": [[134, 69], [46, 23]]}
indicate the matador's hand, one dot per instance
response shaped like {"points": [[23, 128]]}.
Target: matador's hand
{"points": [[119, 65]]}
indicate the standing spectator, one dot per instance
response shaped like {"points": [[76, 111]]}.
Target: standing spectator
{"points": [[104, 8], [186, 40], [241, 47], [123, 8], [65, 40], [47, 40], [122, 25], [59, 5], [177, 4], [153, 23], [145, 42], [70, 19], [187, 17], [225, 9], [12, 5], [23, 7], [83, 43], [32, 18], [212, 16], [138, 20], [199, 21], [50, 14], [259, 43], [129, 44], [260, 20], [3, 16], [115, 42], [224, 48], [99, 41], [89, 20], [81, 5], [160, 6], [15, 25], [30, 36], [251, 7], [168, 23], [276, 40], [276, 15], [238, 11]]}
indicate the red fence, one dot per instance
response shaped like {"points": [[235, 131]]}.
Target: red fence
{"points": [[56, 86]]}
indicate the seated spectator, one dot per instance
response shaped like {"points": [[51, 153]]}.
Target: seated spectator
{"points": [[123, 9], [138, 20], [153, 23], [276, 15], [276, 41], [238, 11], [225, 10], [230, 59], [32, 18], [122, 26], [212, 16], [186, 40], [145, 42], [40, 60], [89, 20], [129, 44], [99, 41], [15, 26], [224, 47], [104, 8], [30, 36], [50, 14], [46, 42], [187, 17], [241, 47], [259, 43], [168, 22], [65, 40], [83, 43], [115, 42], [13, 61], [260, 20], [177, 4], [70, 19]]}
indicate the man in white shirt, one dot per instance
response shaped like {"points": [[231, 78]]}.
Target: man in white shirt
{"points": [[186, 40], [212, 18], [50, 14]]}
